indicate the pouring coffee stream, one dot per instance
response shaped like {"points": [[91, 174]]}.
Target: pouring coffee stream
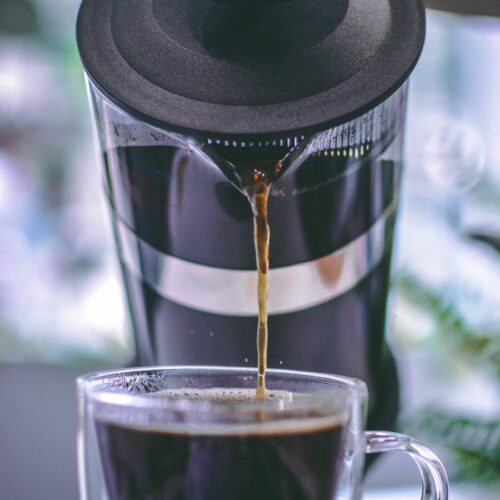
{"points": [[255, 179], [258, 195]]}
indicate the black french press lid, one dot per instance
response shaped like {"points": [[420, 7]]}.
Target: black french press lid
{"points": [[244, 67]]}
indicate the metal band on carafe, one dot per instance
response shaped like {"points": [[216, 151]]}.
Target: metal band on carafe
{"points": [[293, 287]]}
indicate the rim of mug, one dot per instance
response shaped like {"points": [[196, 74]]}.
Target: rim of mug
{"points": [[90, 386]]}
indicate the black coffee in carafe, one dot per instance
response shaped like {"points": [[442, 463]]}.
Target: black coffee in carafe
{"points": [[194, 101]]}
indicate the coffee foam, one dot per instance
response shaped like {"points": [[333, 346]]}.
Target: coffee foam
{"points": [[223, 394]]}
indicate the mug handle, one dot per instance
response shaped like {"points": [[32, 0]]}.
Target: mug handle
{"points": [[434, 478]]}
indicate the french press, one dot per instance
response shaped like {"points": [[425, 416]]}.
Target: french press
{"points": [[185, 97]]}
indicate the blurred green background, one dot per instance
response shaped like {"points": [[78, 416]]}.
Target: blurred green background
{"points": [[60, 296]]}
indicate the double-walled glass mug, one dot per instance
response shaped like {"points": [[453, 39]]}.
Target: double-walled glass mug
{"points": [[200, 433]]}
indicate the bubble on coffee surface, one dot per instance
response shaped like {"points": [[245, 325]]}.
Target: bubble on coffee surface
{"points": [[223, 394]]}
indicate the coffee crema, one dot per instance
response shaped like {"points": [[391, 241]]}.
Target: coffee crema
{"points": [[221, 394]]}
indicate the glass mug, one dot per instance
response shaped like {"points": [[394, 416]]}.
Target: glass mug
{"points": [[200, 433]]}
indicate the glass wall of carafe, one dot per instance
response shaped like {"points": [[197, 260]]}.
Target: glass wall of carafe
{"points": [[184, 237]]}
